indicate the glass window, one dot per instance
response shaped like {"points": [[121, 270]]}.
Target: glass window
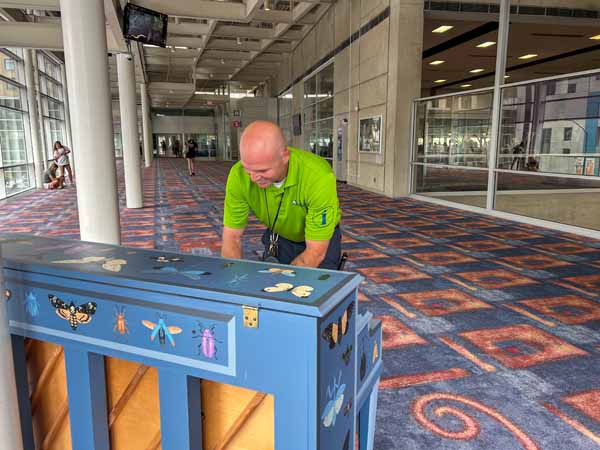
{"points": [[318, 113], [310, 90], [572, 88], [567, 133], [16, 179]]}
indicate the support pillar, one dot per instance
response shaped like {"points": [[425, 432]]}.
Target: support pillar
{"points": [[404, 85], [501, 52], [84, 36], [34, 118], [38, 101], [69, 135], [129, 131], [10, 424], [146, 126]]}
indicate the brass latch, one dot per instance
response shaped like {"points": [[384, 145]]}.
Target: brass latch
{"points": [[250, 316]]}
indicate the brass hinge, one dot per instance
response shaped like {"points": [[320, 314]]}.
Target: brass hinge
{"points": [[250, 316]]}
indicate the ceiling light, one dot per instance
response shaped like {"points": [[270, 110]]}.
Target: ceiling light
{"points": [[476, 70], [465, 85], [595, 38], [528, 56], [239, 41], [172, 49], [439, 81], [442, 29], [267, 5], [506, 76], [436, 63], [182, 48], [222, 61], [486, 44]]}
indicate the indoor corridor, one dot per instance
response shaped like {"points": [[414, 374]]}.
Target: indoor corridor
{"points": [[458, 292]]}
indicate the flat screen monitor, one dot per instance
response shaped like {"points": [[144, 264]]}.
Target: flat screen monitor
{"points": [[145, 25], [297, 124]]}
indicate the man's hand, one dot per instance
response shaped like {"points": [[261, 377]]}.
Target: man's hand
{"points": [[313, 255], [231, 247]]}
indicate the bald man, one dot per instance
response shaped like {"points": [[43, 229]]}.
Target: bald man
{"points": [[292, 192]]}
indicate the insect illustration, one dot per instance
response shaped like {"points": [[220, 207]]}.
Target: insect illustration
{"points": [[166, 259], [335, 394], [286, 272], [31, 305], [237, 279], [348, 407], [324, 277], [76, 315], [375, 352], [120, 321], [346, 445], [279, 287], [192, 274], [302, 291], [114, 265], [363, 366], [207, 345], [334, 332], [162, 330], [346, 355]]}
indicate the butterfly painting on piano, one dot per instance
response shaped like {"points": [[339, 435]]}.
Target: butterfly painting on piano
{"points": [[75, 315]]}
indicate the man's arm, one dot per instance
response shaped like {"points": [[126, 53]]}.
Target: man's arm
{"points": [[313, 255], [231, 246]]}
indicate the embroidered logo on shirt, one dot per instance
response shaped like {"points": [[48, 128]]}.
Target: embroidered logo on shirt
{"points": [[323, 217]]}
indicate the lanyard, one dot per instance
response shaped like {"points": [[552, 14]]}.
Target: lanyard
{"points": [[272, 227]]}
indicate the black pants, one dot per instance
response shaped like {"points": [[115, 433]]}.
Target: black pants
{"points": [[288, 250]]}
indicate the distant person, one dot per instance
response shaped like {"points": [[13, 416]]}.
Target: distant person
{"points": [[518, 151], [190, 155], [62, 160], [163, 148], [532, 165], [177, 148], [51, 179]]}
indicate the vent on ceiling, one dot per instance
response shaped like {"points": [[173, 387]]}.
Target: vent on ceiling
{"points": [[458, 6]]}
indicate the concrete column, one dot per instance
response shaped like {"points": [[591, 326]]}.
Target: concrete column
{"points": [[69, 135], [129, 131], [146, 126], [34, 118], [38, 101], [10, 423], [404, 85], [501, 53], [86, 55]]}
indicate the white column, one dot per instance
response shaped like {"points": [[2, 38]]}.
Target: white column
{"points": [[146, 125], [38, 101], [34, 118], [501, 52], [69, 135], [84, 36], [129, 131], [10, 424]]}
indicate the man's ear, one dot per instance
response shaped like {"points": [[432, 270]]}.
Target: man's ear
{"points": [[286, 155]]}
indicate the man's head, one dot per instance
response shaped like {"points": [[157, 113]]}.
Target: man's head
{"points": [[264, 153]]}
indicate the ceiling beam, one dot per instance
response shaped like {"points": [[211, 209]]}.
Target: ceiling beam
{"points": [[47, 5], [203, 9]]}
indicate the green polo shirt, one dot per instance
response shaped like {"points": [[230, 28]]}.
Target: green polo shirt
{"points": [[310, 207]]}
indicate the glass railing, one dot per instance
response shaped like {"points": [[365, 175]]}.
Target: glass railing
{"points": [[548, 157]]}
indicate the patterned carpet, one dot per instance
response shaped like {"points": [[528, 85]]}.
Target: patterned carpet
{"points": [[491, 328]]}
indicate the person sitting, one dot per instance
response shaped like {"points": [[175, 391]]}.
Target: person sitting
{"points": [[51, 179]]}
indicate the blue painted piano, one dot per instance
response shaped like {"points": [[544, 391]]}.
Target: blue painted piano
{"points": [[289, 332]]}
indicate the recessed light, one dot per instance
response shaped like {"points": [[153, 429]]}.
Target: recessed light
{"points": [[436, 63], [465, 85], [476, 70], [442, 29], [528, 56], [439, 81], [486, 44], [595, 38], [506, 76]]}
